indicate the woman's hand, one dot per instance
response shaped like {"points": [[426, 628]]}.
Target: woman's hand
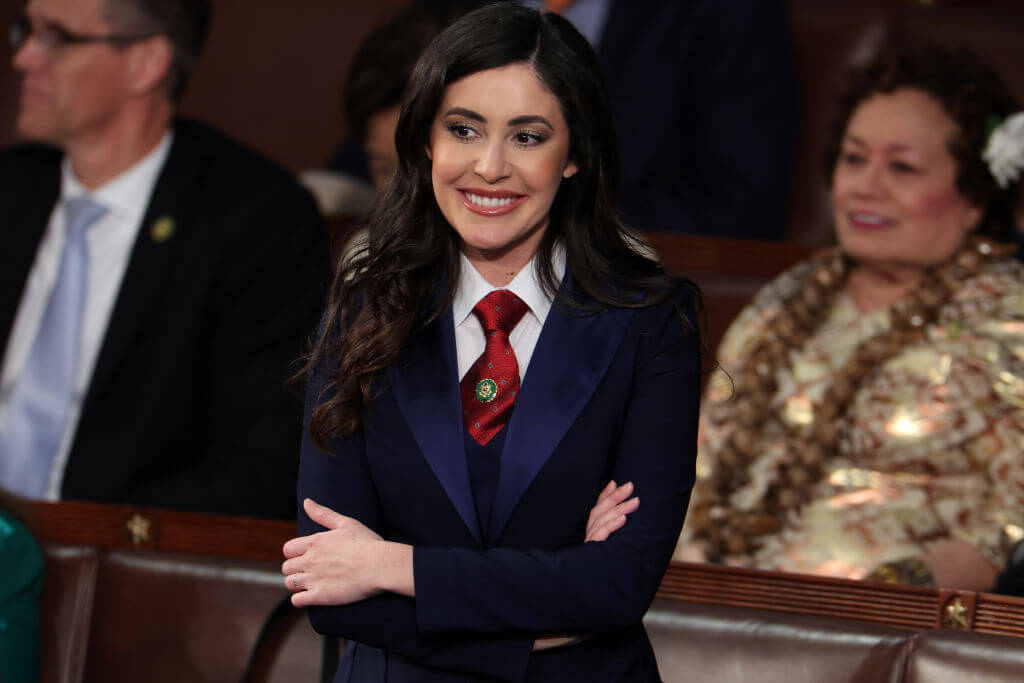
{"points": [[955, 563], [609, 513], [344, 564], [606, 517]]}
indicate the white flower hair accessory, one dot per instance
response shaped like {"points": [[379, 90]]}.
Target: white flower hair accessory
{"points": [[1004, 151]]}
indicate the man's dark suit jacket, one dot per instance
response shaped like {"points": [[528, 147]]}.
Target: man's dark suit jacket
{"points": [[186, 407], [703, 94], [612, 395]]}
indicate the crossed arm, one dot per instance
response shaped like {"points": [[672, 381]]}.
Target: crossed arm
{"points": [[350, 562], [482, 611]]}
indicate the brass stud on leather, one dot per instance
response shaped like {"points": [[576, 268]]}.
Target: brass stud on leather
{"points": [[139, 527]]}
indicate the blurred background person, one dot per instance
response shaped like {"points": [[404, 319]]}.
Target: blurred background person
{"points": [[370, 102], [869, 418], [373, 90], [704, 98], [156, 280]]}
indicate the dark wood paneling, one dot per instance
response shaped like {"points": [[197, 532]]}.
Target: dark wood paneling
{"points": [[877, 603], [110, 527], [105, 526]]}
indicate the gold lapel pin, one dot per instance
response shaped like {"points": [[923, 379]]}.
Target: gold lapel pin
{"points": [[162, 229]]}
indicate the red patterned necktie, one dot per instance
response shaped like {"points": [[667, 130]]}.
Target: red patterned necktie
{"points": [[489, 388]]}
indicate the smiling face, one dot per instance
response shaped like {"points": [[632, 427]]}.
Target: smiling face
{"points": [[499, 148], [894, 183]]}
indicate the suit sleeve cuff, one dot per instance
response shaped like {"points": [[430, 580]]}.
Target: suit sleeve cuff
{"points": [[437, 611], [437, 604]]}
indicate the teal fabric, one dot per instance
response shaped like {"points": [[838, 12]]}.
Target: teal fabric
{"points": [[21, 581]]}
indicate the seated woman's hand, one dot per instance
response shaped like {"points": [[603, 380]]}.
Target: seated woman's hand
{"points": [[609, 512], [952, 563], [334, 567], [955, 563]]}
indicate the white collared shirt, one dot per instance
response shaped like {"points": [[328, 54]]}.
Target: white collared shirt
{"points": [[109, 242], [469, 333]]}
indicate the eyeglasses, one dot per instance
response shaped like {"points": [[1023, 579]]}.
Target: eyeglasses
{"points": [[53, 37]]}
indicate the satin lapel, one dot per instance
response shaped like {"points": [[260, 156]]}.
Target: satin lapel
{"points": [[23, 229], [426, 386], [153, 256], [553, 394]]}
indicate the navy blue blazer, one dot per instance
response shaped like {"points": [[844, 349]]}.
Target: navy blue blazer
{"points": [[612, 395]]}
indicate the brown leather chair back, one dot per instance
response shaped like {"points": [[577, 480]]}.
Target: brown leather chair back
{"points": [[730, 645]]}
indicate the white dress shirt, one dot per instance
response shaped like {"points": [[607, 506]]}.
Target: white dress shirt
{"points": [[469, 333], [109, 242]]}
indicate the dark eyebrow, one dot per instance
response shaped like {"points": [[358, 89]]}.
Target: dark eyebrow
{"points": [[521, 120], [517, 121], [855, 140], [468, 113]]}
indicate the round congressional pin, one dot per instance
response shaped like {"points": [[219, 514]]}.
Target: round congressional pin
{"points": [[162, 229], [486, 390]]}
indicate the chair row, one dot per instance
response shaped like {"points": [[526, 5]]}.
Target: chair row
{"points": [[140, 594]]}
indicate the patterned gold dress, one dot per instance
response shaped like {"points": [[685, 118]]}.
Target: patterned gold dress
{"points": [[935, 446]]}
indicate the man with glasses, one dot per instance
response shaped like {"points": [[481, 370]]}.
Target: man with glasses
{"points": [[156, 278]]}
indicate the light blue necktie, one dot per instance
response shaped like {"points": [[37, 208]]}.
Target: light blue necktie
{"points": [[31, 432]]}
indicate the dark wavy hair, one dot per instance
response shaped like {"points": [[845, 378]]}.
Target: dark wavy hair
{"points": [[405, 274], [972, 94]]}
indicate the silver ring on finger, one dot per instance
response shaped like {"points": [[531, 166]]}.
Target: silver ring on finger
{"points": [[295, 582]]}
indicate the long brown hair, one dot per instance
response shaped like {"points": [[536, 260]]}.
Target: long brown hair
{"points": [[405, 274]]}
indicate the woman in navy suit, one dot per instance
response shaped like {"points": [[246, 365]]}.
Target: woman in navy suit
{"points": [[493, 360]]}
